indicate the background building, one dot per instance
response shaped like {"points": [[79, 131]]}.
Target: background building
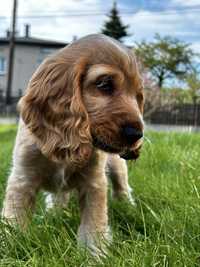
{"points": [[29, 53]]}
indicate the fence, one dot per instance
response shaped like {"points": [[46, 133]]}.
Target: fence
{"points": [[12, 108], [184, 114]]}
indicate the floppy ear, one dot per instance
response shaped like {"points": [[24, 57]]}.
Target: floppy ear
{"points": [[53, 110]]}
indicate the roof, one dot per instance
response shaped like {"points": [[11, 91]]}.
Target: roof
{"points": [[30, 41]]}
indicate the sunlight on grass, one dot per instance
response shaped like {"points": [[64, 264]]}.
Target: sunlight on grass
{"points": [[7, 128], [163, 230]]}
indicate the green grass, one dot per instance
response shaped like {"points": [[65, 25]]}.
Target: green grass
{"points": [[163, 230]]}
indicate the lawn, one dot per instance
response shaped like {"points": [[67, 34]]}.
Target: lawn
{"points": [[163, 230]]}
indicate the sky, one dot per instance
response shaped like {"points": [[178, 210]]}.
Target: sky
{"points": [[63, 19]]}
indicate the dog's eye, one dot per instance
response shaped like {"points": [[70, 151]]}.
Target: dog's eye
{"points": [[105, 84]]}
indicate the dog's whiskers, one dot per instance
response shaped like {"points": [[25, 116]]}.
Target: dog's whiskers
{"points": [[147, 139]]}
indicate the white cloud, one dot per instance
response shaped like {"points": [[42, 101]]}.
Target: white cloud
{"points": [[186, 3], [143, 24], [6, 8], [54, 28], [196, 47], [65, 28], [38, 6]]}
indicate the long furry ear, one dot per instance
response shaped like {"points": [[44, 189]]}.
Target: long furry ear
{"points": [[53, 110]]}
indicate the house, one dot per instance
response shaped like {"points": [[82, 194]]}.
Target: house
{"points": [[29, 53]]}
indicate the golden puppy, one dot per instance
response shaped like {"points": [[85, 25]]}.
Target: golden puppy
{"points": [[82, 109]]}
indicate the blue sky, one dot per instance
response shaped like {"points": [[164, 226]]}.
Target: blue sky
{"points": [[66, 18]]}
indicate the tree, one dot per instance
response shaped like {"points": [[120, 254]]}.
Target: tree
{"points": [[152, 93], [193, 83], [114, 27], [165, 58]]}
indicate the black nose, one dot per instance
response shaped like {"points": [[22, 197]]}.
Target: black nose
{"points": [[130, 134]]}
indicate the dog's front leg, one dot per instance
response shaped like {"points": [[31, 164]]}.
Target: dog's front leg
{"points": [[118, 172], [93, 231], [19, 199]]}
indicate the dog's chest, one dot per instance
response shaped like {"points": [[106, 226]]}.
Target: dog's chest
{"points": [[62, 179]]}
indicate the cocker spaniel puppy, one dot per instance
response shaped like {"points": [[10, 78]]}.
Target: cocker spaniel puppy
{"points": [[82, 111]]}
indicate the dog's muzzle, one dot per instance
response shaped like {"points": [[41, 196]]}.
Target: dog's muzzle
{"points": [[130, 154], [104, 146], [127, 154]]}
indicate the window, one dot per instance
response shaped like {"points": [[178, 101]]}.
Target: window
{"points": [[2, 65], [47, 51], [44, 53]]}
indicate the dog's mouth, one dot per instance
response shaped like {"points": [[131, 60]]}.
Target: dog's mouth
{"points": [[129, 154], [98, 143], [125, 153]]}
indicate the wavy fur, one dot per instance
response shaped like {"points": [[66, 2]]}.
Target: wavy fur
{"points": [[68, 129], [53, 111]]}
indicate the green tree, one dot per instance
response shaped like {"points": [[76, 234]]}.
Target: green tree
{"points": [[165, 58], [114, 26], [193, 84]]}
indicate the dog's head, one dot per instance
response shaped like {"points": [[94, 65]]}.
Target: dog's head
{"points": [[88, 95]]}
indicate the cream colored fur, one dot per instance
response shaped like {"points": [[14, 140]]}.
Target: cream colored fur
{"points": [[32, 172]]}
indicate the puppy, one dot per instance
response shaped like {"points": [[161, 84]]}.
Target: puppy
{"points": [[82, 111]]}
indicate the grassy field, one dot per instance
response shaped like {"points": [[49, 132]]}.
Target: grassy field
{"points": [[163, 230]]}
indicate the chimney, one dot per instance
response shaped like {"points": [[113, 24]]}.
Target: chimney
{"points": [[8, 34], [27, 30], [75, 38]]}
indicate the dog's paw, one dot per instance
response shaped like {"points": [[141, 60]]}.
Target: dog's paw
{"points": [[95, 242], [125, 196]]}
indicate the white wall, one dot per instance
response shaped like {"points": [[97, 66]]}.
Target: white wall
{"points": [[27, 59]]}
